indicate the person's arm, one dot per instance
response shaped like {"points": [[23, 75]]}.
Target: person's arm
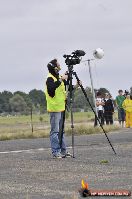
{"points": [[52, 86], [97, 103], [112, 106], [124, 105], [116, 102], [102, 102]]}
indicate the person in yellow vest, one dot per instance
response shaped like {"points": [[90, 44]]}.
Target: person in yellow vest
{"points": [[56, 97], [127, 106]]}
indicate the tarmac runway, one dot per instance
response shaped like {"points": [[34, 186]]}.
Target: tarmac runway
{"points": [[28, 171]]}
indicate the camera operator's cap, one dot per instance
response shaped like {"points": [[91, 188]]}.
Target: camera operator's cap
{"points": [[50, 65]]}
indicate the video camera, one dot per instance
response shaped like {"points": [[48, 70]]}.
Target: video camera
{"points": [[126, 92], [74, 58]]}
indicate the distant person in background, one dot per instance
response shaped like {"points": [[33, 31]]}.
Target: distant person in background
{"points": [[121, 113], [127, 106], [125, 93], [108, 109], [100, 109]]}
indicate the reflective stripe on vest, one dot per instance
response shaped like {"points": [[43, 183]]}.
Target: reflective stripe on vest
{"points": [[56, 103]]}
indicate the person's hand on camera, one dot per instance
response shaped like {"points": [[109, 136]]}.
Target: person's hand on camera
{"points": [[64, 77]]}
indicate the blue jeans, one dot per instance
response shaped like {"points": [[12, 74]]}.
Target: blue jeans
{"points": [[121, 114], [57, 139]]}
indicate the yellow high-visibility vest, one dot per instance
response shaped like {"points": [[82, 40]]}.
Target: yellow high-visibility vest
{"points": [[56, 103]]}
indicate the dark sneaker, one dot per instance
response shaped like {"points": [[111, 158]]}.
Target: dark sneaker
{"points": [[67, 154]]}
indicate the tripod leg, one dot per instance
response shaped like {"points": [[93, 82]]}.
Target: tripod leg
{"points": [[61, 128], [72, 127], [71, 106]]}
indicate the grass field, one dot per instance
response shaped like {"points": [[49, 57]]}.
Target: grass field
{"points": [[17, 127]]}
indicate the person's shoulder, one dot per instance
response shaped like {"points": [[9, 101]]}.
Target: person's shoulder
{"points": [[50, 78]]}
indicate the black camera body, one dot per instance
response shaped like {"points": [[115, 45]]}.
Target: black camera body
{"points": [[74, 58], [126, 92]]}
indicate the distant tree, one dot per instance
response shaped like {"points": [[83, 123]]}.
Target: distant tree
{"points": [[131, 90], [18, 104], [90, 95], [80, 101], [103, 91], [1, 103], [4, 101], [38, 99], [26, 97]]}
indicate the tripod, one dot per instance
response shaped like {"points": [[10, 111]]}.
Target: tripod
{"points": [[71, 73]]}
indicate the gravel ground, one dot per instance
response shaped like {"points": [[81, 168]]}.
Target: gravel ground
{"points": [[28, 171]]}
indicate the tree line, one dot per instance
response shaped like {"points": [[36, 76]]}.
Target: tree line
{"points": [[22, 103]]}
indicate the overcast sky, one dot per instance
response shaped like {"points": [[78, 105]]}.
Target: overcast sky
{"points": [[32, 32]]}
